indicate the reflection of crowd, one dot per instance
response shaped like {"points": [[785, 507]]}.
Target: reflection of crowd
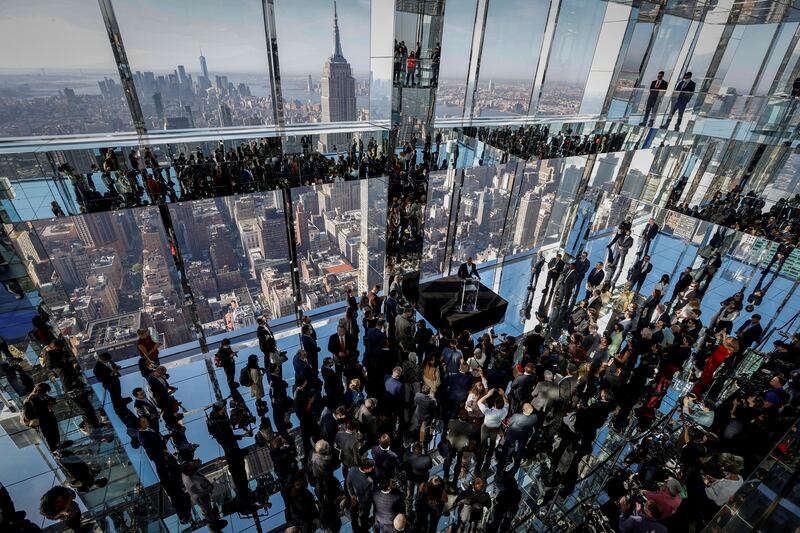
{"points": [[537, 142], [694, 463], [384, 398], [746, 213], [408, 66], [249, 167]]}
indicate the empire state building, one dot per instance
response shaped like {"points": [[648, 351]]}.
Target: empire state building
{"points": [[338, 93]]}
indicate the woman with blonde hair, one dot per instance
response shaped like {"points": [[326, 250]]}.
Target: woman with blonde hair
{"points": [[728, 347]]}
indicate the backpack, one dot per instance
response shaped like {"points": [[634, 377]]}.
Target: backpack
{"points": [[245, 379]]}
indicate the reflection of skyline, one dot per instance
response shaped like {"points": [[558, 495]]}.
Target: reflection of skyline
{"points": [[105, 276]]}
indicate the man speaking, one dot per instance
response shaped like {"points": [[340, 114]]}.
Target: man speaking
{"points": [[468, 270]]}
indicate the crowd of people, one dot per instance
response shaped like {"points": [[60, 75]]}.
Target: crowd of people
{"points": [[538, 142], [385, 398], [747, 212], [248, 167], [408, 66]]}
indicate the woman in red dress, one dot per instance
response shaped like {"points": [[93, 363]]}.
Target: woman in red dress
{"points": [[729, 346]]}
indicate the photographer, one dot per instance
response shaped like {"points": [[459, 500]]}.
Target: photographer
{"points": [[638, 518]]}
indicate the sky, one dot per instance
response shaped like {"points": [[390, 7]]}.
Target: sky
{"points": [[159, 35]]}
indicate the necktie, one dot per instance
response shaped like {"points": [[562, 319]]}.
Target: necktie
{"points": [[341, 342]]}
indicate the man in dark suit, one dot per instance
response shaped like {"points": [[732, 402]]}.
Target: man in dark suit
{"points": [[162, 395], [623, 246], [554, 268], [624, 227], [657, 88], [107, 373], [334, 391], [683, 283], [648, 234], [594, 301], [569, 281], [341, 346], [301, 366], [309, 345], [750, 332], [145, 408], [468, 270], [266, 341], [595, 279], [684, 90], [639, 271]]}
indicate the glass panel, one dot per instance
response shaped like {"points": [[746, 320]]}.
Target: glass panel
{"points": [[320, 81], [441, 187], [57, 71], [333, 251], [750, 51], [577, 31], [665, 49], [183, 84], [459, 20], [119, 276], [605, 58], [776, 58], [484, 201], [234, 252], [604, 171], [510, 53], [527, 225]]}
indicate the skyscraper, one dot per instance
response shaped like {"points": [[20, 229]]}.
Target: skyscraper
{"points": [[309, 85], [203, 64], [338, 92]]}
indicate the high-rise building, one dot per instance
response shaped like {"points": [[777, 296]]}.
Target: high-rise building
{"points": [[309, 85], [203, 65], [158, 102], [338, 93]]}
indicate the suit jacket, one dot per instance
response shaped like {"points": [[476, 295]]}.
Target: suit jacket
{"points": [[557, 266], [373, 340], [145, 409], [656, 86], [310, 346], [537, 266], [160, 393], [334, 346], [625, 244], [639, 271], [684, 90], [522, 387], [748, 335], [683, 282], [467, 271], [595, 302], [596, 277], [105, 375], [581, 267], [650, 231]]}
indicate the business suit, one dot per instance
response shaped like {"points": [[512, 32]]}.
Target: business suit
{"points": [[656, 90], [309, 345], [622, 250], [595, 279], [682, 284], [648, 234], [638, 273], [347, 346], [147, 409], [468, 271], [683, 90], [554, 268], [748, 334]]}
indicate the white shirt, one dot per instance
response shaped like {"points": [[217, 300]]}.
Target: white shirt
{"points": [[492, 417], [723, 489]]}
